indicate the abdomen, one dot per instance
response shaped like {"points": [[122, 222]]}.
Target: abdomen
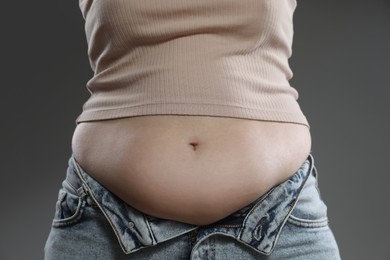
{"points": [[193, 169]]}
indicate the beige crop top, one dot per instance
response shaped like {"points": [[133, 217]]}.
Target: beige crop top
{"points": [[226, 58]]}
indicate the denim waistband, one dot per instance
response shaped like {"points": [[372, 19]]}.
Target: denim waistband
{"points": [[259, 224]]}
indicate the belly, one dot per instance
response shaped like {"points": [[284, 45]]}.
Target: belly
{"points": [[193, 169]]}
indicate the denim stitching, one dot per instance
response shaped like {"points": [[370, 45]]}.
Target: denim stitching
{"points": [[72, 219], [310, 170], [308, 223], [79, 173]]}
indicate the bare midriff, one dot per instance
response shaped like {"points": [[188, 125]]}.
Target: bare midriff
{"points": [[192, 169]]}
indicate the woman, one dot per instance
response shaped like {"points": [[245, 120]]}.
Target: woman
{"points": [[192, 144]]}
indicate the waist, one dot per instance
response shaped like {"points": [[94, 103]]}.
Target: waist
{"points": [[180, 167], [135, 230]]}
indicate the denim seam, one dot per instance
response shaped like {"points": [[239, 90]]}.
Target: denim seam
{"points": [[293, 204], [197, 243], [308, 223], [272, 189], [71, 185], [255, 207], [154, 241], [85, 185], [72, 219]]}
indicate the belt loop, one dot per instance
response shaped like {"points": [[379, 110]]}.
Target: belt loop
{"points": [[312, 165], [82, 191]]}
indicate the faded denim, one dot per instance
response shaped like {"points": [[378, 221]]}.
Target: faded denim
{"points": [[288, 222]]}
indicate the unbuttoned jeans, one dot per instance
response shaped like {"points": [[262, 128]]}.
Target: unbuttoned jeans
{"points": [[288, 222]]}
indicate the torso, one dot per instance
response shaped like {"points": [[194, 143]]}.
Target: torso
{"points": [[193, 169]]}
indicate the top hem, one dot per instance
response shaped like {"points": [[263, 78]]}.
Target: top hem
{"points": [[194, 110]]}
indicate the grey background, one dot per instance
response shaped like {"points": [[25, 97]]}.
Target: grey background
{"points": [[341, 64]]}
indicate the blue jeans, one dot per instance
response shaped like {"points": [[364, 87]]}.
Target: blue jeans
{"points": [[288, 222]]}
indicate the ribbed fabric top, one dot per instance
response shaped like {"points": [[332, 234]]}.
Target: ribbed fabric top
{"points": [[201, 57]]}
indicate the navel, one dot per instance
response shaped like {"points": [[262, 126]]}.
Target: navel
{"points": [[194, 145]]}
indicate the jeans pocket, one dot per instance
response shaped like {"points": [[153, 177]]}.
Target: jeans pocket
{"points": [[69, 207], [310, 210]]}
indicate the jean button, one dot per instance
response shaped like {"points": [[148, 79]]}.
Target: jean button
{"points": [[90, 201], [130, 225]]}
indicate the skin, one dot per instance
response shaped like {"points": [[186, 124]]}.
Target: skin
{"points": [[193, 169]]}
